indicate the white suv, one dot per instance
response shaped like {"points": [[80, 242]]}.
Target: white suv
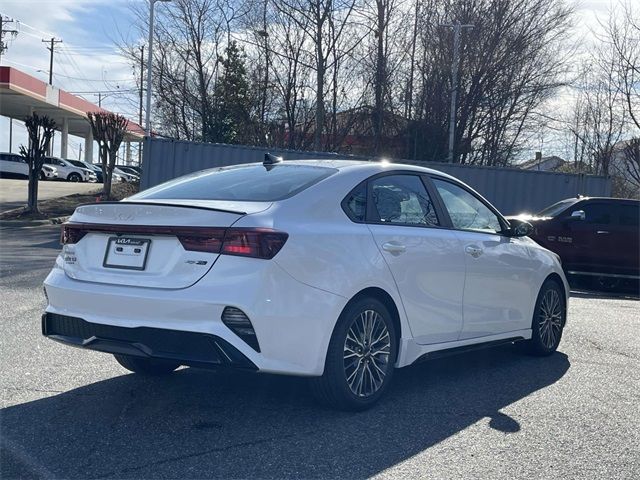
{"points": [[68, 171], [13, 164]]}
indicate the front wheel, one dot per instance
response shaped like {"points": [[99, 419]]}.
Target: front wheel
{"points": [[74, 177], [548, 320], [360, 358], [146, 366]]}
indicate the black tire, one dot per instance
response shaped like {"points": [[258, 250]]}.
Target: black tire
{"points": [[146, 366], [548, 320], [333, 387], [74, 177]]}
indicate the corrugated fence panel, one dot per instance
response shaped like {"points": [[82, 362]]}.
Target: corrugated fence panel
{"points": [[510, 190]]}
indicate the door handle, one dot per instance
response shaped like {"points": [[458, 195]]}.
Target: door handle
{"points": [[394, 248], [474, 251], [602, 232]]}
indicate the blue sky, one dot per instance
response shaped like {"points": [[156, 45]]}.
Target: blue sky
{"points": [[87, 61]]}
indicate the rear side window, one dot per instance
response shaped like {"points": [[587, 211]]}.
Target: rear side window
{"points": [[629, 215], [253, 183], [355, 204]]}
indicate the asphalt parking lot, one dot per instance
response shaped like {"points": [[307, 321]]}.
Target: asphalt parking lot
{"points": [[13, 192], [68, 413]]}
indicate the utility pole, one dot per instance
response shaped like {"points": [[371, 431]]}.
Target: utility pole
{"points": [[53, 42], [141, 84], [457, 28], [99, 100], [4, 21], [150, 65], [141, 97]]}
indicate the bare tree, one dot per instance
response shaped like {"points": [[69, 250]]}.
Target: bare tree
{"points": [[510, 63], [108, 130], [40, 130], [324, 22], [623, 32], [632, 162]]}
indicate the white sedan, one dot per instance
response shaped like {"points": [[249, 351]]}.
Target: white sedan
{"points": [[337, 270]]}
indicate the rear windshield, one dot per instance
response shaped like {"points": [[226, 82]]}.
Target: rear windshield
{"points": [[252, 183], [556, 208]]}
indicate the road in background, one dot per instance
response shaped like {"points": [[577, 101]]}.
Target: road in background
{"points": [[13, 193], [496, 413]]}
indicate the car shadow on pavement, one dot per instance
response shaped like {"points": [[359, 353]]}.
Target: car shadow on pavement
{"points": [[204, 424]]}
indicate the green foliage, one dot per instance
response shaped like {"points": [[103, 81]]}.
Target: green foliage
{"points": [[232, 122]]}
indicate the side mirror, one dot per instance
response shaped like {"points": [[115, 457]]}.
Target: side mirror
{"points": [[577, 215], [518, 228]]}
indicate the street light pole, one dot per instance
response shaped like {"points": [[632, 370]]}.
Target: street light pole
{"points": [[150, 65], [457, 28]]}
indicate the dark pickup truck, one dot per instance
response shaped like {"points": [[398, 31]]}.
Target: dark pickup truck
{"points": [[597, 237]]}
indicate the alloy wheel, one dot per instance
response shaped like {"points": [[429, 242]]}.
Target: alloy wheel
{"points": [[550, 318], [367, 351]]}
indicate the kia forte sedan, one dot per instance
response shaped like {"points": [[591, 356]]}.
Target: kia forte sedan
{"points": [[341, 271]]}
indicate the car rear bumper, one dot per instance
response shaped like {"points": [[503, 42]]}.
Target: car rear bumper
{"points": [[187, 348], [293, 322]]}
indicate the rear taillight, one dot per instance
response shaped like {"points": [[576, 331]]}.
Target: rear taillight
{"points": [[71, 233], [202, 239], [246, 242], [253, 242]]}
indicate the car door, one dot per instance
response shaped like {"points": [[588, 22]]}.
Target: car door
{"points": [[590, 237], [624, 239], [424, 258], [500, 270], [6, 164]]}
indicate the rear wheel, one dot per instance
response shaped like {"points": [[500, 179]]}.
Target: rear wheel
{"points": [[548, 320], [146, 366], [360, 359], [74, 177]]}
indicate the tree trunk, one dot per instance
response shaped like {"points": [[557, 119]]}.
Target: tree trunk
{"points": [[317, 142], [380, 78], [32, 200]]}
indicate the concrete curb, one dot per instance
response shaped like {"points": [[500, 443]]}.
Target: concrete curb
{"points": [[34, 223]]}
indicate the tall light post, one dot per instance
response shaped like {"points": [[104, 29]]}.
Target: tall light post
{"points": [[150, 65], [457, 27]]}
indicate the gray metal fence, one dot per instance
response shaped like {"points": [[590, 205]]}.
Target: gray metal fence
{"points": [[509, 189]]}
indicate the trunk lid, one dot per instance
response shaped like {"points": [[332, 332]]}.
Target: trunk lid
{"points": [[143, 243]]}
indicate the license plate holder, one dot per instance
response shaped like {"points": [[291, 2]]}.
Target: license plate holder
{"points": [[128, 253]]}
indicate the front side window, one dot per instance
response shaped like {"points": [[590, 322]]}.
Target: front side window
{"points": [[467, 212], [597, 213], [402, 199]]}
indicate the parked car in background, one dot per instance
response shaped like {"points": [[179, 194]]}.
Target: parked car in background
{"points": [[594, 237], [48, 172], [115, 177], [126, 177], [337, 270], [69, 171], [13, 165], [89, 166], [129, 169]]}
